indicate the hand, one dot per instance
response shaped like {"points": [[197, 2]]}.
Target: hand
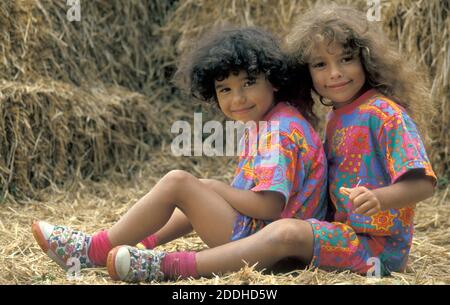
{"points": [[364, 201]]}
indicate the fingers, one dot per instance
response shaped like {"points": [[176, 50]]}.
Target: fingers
{"points": [[369, 208], [359, 198], [345, 190], [363, 200], [353, 193], [356, 192]]}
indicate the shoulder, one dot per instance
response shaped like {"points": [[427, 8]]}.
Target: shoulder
{"points": [[292, 127], [386, 116], [289, 118], [382, 108]]}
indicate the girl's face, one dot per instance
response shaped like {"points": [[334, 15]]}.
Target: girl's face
{"points": [[245, 98], [337, 74]]}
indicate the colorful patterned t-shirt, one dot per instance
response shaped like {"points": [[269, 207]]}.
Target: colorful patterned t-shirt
{"points": [[373, 142], [292, 162]]}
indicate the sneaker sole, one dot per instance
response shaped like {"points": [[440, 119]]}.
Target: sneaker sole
{"points": [[39, 236], [42, 242], [111, 263]]}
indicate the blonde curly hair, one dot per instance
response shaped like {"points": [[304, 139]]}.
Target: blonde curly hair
{"points": [[386, 69]]}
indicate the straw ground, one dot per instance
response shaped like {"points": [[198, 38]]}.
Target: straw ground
{"points": [[97, 205]]}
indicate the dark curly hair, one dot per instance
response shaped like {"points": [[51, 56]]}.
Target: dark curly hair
{"points": [[229, 49]]}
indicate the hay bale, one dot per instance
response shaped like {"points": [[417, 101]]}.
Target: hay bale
{"points": [[51, 132], [47, 60], [113, 43]]}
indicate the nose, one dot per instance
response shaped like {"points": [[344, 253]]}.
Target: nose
{"points": [[335, 71], [239, 97]]}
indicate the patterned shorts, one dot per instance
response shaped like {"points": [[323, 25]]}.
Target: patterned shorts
{"points": [[245, 226], [338, 247]]}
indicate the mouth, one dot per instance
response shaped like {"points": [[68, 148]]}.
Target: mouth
{"points": [[339, 85], [243, 110]]}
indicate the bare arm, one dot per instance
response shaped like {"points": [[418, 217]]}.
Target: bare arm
{"points": [[402, 194], [261, 205], [398, 195]]}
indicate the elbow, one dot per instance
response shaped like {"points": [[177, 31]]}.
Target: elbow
{"points": [[430, 189], [427, 188]]}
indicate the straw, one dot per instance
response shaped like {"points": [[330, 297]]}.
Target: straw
{"points": [[98, 205]]}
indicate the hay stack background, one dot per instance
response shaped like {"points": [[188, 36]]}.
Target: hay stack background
{"points": [[86, 109], [135, 45]]}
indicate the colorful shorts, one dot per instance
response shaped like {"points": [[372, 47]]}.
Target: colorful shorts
{"points": [[338, 247], [245, 226]]}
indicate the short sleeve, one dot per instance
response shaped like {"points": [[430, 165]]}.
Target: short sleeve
{"points": [[402, 149], [276, 165]]}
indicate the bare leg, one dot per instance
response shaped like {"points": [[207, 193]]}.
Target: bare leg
{"points": [[210, 215], [278, 240], [177, 226]]}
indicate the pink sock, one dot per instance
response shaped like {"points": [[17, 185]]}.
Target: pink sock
{"points": [[179, 264], [150, 242], [99, 248]]}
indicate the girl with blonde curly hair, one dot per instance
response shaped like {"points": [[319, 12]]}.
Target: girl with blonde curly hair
{"points": [[378, 167]]}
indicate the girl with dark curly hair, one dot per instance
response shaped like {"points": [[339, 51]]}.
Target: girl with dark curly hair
{"points": [[245, 72]]}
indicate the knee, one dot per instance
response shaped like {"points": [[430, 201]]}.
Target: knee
{"points": [[175, 181], [288, 233], [177, 176]]}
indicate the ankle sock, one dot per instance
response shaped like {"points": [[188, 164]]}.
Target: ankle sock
{"points": [[99, 248], [150, 242], [179, 264]]}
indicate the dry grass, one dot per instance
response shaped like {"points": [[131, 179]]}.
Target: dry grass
{"points": [[97, 205]]}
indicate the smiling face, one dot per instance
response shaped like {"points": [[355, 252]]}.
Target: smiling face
{"points": [[337, 73], [245, 98]]}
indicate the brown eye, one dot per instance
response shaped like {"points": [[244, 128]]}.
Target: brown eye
{"points": [[318, 65], [347, 59], [249, 82]]}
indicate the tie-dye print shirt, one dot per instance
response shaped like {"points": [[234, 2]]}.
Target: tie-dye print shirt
{"points": [[374, 142], [290, 160]]}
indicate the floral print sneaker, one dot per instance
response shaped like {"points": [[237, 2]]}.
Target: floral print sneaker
{"points": [[63, 245], [130, 264]]}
